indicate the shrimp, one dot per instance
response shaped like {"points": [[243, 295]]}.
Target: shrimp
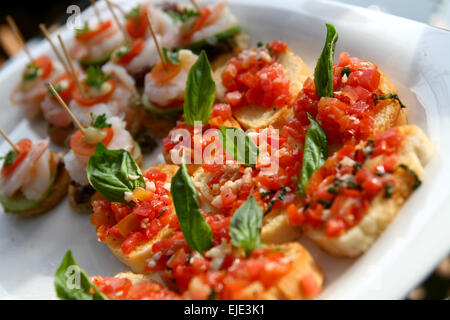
{"points": [[98, 46], [54, 113], [164, 93], [32, 176], [220, 20], [30, 93], [117, 105], [76, 164]]}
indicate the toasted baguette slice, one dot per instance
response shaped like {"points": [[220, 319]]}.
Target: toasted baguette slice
{"points": [[391, 113], [56, 193], [302, 274], [136, 259], [289, 286], [257, 117], [276, 228], [415, 153]]}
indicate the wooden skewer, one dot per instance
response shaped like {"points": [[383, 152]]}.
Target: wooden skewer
{"points": [[196, 6], [122, 11], [16, 31], [13, 145], [163, 61], [122, 29], [97, 13], [69, 60], [64, 105], [58, 54]]}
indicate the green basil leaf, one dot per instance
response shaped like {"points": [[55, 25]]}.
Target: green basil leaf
{"points": [[323, 73], [72, 282], [245, 226], [314, 154], [99, 122], [113, 172], [196, 230], [239, 145], [200, 91], [9, 158], [171, 56]]}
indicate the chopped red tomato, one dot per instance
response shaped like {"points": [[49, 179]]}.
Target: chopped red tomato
{"points": [[24, 147], [134, 51], [165, 73], [92, 33], [86, 101], [137, 26], [79, 145], [199, 23], [45, 65]]}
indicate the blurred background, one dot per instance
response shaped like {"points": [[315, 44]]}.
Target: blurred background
{"points": [[53, 14]]}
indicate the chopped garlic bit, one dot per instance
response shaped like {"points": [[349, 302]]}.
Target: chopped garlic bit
{"points": [[133, 177], [150, 186], [167, 186], [128, 196], [217, 254], [346, 161]]}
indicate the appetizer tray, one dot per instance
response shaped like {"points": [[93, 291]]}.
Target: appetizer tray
{"points": [[413, 55]]}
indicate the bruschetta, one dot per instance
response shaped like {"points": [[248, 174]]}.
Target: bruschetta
{"points": [[261, 83], [131, 232], [364, 102], [357, 193]]}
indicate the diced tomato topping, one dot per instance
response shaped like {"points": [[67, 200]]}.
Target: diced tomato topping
{"points": [[278, 46], [310, 286], [252, 79], [132, 241]]}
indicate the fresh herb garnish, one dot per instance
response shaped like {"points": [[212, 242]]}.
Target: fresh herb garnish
{"points": [[72, 282], [8, 158], [196, 230], [368, 148], [388, 190], [245, 226], [325, 203], [280, 197], [171, 56], [333, 190], [82, 30], [323, 73], [122, 51], [200, 91], [351, 184], [99, 122], [58, 88], [134, 13], [31, 72], [314, 154], [96, 77], [345, 71], [239, 145], [183, 16], [417, 181], [109, 173], [387, 97]]}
